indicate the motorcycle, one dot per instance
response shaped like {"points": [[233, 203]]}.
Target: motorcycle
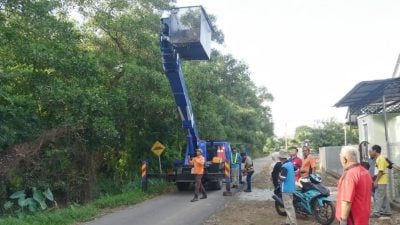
{"points": [[312, 198]]}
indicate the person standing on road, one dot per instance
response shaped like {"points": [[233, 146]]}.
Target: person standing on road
{"points": [[198, 163], [248, 171], [235, 167], [287, 176], [275, 173], [371, 169], [353, 201], [309, 164], [296, 161], [381, 201]]}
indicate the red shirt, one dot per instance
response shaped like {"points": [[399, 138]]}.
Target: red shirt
{"points": [[297, 165], [355, 186]]}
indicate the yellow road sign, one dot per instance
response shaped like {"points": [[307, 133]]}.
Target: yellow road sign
{"points": [[157, 148]]}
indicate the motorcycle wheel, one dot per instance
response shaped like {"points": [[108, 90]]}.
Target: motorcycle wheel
{"points": [[280, 209], [324, 214]]}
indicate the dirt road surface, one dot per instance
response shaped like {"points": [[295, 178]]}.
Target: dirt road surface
{"points": [[257, 207]]}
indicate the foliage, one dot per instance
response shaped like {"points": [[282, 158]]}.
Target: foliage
{"points": [[227, 104], [29, 200], [326, 133], [330, 133]]}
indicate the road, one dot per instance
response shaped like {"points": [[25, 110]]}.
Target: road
{"points": [[173, 208]]}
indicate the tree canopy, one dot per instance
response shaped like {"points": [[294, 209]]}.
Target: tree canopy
{"points": [[323, 133]]}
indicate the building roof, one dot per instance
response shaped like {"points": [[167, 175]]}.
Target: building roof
{"points": [[367, 97]]}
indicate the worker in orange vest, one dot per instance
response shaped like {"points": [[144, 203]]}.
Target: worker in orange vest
{"points": [[198, 163]]}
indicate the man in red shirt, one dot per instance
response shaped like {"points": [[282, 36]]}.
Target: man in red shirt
{"points": [[296, 161], [353, 202]]}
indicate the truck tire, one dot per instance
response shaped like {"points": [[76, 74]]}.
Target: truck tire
{"points": [[182, 186], [216, 185]]}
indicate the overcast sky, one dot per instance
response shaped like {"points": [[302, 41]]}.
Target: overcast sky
{"points": [[309, 53]]}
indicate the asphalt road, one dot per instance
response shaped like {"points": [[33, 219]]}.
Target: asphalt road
{"points": [[168, 209]]}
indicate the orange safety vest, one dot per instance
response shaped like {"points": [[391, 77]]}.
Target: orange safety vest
{"points": [[198, 163], [221, 152]]}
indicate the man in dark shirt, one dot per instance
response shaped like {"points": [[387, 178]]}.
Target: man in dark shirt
{"points": [[275, 174]]}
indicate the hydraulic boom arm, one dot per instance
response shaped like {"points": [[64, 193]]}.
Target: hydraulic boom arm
{"points": [[173, 71]]}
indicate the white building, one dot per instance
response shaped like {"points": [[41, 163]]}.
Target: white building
{"points": [[374, 106]]}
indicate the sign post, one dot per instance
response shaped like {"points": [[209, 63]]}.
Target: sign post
{"points": [[144, 175], [227, 179], [158, 149]]}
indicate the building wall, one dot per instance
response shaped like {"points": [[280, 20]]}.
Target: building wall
{"points": [[372, 129], [329, 159]]}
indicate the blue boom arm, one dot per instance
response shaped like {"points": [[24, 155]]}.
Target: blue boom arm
{"points": [[173, 71]]}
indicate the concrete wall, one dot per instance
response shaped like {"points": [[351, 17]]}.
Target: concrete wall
{"points": [[329, 159]]}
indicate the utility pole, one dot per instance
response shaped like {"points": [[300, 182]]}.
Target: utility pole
{"points": [[396, 67], [286, 144]]}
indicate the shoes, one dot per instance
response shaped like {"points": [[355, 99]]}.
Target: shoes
{"points": [[203, 197], [374, 215], [386, 214], [194, 200], [247, 190], [234, 186]]}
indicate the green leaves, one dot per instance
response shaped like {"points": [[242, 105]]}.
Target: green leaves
{"points": [[327, 132], [48, 194], [227, 104], [8, 205], [35, 202], [18, 195], [32, 205], [38, 197]]}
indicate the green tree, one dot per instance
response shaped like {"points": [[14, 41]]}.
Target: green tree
{"points": [[325, 133]]}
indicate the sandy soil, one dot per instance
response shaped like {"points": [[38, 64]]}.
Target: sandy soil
{"points": [[257, 207]]}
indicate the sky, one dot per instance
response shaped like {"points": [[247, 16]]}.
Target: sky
{"points": [[309, 53]]}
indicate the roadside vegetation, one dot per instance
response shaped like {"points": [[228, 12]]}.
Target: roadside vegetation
{"points": [[75, 213]]}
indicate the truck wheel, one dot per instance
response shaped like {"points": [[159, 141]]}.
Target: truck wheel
{"points": [[182, 186], [217, 185]]}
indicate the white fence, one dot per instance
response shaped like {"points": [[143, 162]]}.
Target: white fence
{"points": [[329, 159]]}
